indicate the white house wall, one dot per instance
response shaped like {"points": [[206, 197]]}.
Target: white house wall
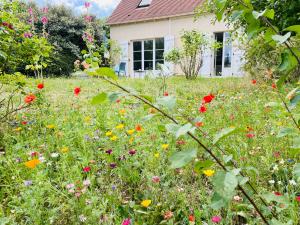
{"points": [[167, 28]]}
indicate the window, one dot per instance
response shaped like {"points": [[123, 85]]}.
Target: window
{"points": [[227, 50], [148, 54], [144, 3]]}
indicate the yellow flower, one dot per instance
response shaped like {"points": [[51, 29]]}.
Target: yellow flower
{"points": [[131, 140], [146, 203], [18, 129], [279, 123], [108, 133], [122, 112], [120, 126], [130, 132], [50, 126], [114, 138], [32, 163], [165, 146], [87, 119], [156, 155], [64, 149], [209, 173]]}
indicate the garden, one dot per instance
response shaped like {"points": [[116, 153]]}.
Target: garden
{"points": [[101, 149]]}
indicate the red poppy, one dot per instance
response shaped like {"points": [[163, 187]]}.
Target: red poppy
{"points": [[250, 135], [191, 218], [24, 122], [40, 86], [208, 98], [166, 94], [254, 81], [202, 109], [86, 169], [277, 193], [138, 127], [199, 124], [29, 98], [118, 100], [77, 90], [274, 86], [298, 198]]}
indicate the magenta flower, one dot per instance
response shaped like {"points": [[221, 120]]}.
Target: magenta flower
{"points": [[132, 151], [156, 179], [44, 20], [45, 10], [27, 35], [113, 165], [216, 219], [109, 151], [88, 18], [87, 4], [126, 222]]}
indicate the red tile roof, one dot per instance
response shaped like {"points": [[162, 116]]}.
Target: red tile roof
{"points": [[127, 11]]}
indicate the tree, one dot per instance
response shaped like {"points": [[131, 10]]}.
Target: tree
{"points": [[189, 58]]}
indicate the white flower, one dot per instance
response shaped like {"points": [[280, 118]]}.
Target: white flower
{"points": [[271, 181], [82, 218], [279, 182], [292, 182], [86, 182], [281, 161], [42, 158], [54, 155], [275, 168]]}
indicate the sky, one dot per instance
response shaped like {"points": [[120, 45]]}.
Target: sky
{"points": [[100, 8]]}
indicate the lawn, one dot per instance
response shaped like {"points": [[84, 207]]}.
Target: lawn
{"points": [[68, 161]]}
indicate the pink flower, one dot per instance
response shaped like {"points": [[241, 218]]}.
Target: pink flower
{"points": [[216, 219], [86, 169], [87, 4], [156, 179], [45, 10], [27, 35], [88, 18], [250, 135], [44, 20], [126, 222], [30, 11], [298, 199]]}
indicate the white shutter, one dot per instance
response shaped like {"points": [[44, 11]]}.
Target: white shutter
{"points": [[169, 45], [237, 59], [207, 57], [124, 54]]}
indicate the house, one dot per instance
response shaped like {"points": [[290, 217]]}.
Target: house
{"points": [[147, 29]]}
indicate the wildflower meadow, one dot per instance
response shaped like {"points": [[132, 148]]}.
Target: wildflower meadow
{"points": [[103, 149]]}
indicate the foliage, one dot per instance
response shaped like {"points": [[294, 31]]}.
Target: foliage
{"points": [[189, 58]]}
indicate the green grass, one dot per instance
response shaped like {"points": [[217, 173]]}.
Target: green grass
{"points": [[116, 193]]}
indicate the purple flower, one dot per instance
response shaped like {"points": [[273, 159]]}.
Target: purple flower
{"points": [[44, 20], [18, 160], [87, 137], [27, 183], [87, 4], [27, 35], [113, 165], [109, 151], [132, 151], [113, 187]]}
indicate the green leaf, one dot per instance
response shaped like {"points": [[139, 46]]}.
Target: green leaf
{"points": [[184, 130], [167, 101], [3, 55], [106, 72], [147, 97], [296, 171], [225, 184], [201, 165], [172, 128], [296, 143], [268, 13], [100, 98], [223, 133], [281, 39], [180, 159], [288, 62], [217, 202], [227, 158], [114, 96], [295, 28], [277, 222], [272, 104], [285, 131], [271, 197], [242, 180]]}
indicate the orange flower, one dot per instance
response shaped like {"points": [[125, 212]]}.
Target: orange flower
{"points": [[29, 98], [138, 127], [32, 163]]}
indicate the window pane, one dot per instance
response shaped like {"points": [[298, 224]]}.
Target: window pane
{"points": [[148, 65], [227, 50], [148, 45], [144, 3], [159, 54], [137, 56], [137, 46], [159, 43], [137, 65], [158, 62], [148, 55]]}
